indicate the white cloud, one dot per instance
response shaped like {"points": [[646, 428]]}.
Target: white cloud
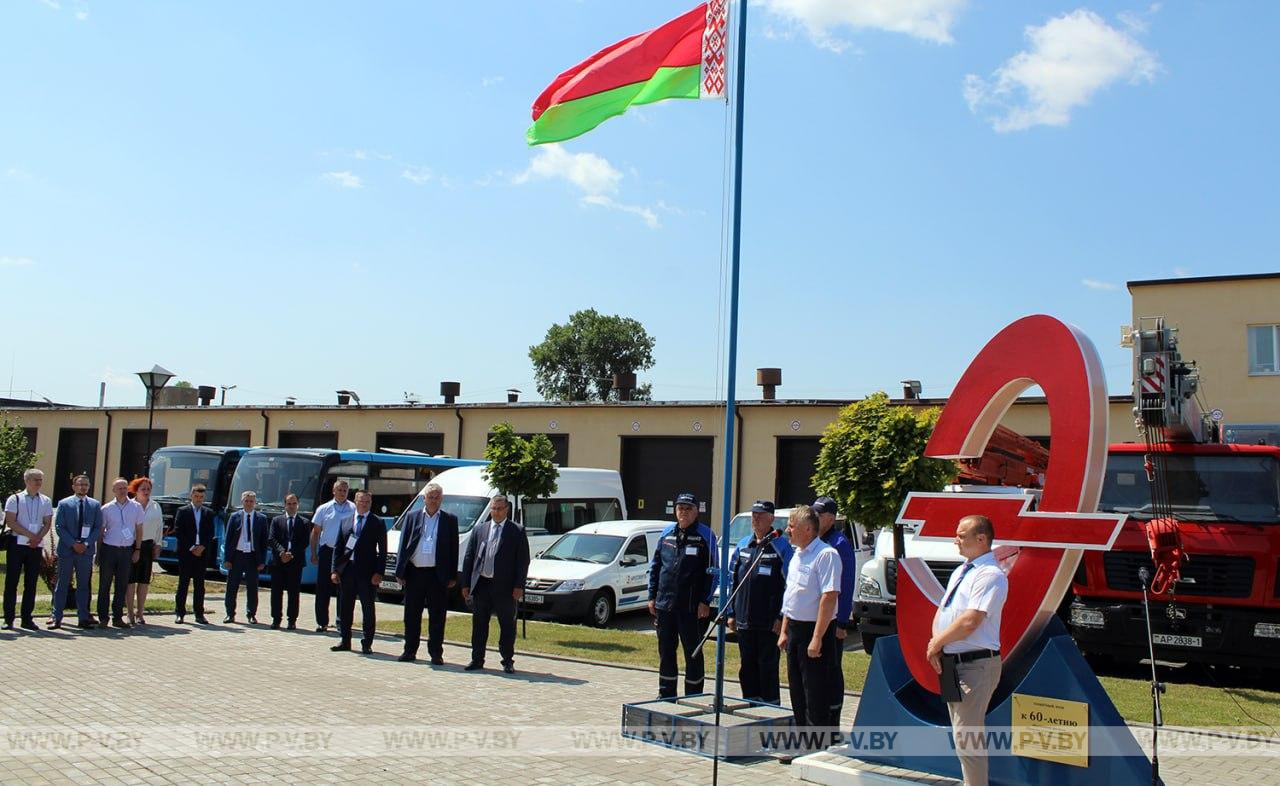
{"points": [[113, 377], [16, 261], [490, 81], [1138, 21], [929, 20], [1069, 58], [589, 172], [54, 4], [1181, 272], [1101, 286], [82, 16], [600, 200], [418, 175], [343, 179]]}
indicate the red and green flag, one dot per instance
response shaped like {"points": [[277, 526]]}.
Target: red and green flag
{"points": [[685, 58]]}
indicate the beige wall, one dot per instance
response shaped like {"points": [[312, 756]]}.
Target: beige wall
{"points": [[595, 431], [1212, 318]]}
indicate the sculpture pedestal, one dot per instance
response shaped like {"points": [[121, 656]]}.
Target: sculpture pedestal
{"points": [[1050, 685]]}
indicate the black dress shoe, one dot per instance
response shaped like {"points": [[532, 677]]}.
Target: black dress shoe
{"points": [[29, 625], [473, 666], [436, 660], [321, 628], [275, 624], [407, 658], [227, 620], [509, 668], [341, 647], [86, 624], [8, 625], [253, 620], [366, 649], [120, 623], [179, 619], [202, 619], [292, 625]]}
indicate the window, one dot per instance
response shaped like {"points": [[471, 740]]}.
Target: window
{"points": [[638, 547], [233, 438], [558, 516], [1264, 349]]}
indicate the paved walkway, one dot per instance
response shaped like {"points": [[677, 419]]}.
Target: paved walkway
{"points": [[241, 704]]}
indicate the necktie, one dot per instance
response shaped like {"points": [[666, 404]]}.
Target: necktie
{"points": [[288, 530], [951, 595], [359, 525], [195, 512], [248, 530], [80, 520]]}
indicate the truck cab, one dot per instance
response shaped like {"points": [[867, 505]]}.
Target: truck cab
{"points": [[1225, 606]]}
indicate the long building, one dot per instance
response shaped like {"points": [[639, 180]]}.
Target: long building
{"points": [[664, 447]]}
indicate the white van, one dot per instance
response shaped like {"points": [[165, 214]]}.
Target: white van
{"points": [[594, 571], [582, 496]]}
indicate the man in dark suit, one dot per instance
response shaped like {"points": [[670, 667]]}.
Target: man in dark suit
{"points": [[493, 575], [427, 568], [289, 539], [359, 558], [245, 555], [194, 527]]}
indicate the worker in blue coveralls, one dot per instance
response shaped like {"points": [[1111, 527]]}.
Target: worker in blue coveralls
{"points": [[681, 580], [756, 615], [825, 507]]}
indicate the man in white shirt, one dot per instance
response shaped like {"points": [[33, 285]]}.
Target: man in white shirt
{"points": [[29, 515], [427, 568], [966, 631], [808, 633], [328, 519], [121, 538]]}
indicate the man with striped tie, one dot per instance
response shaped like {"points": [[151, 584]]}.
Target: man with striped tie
{"points": [[965, 648], [359, 557]]}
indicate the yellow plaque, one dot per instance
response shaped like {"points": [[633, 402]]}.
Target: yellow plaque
{"points": [[1051, 729]]}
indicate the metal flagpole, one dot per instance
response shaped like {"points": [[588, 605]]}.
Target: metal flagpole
{"points": [[735, 253]]}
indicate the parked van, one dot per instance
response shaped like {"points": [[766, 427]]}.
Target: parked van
{"points": [[583, 496], [594, 571]]}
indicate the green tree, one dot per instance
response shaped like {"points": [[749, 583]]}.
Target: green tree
{"points": [[519, 466], [872, 456], [576, 361], [182, 383], [16, 457]]}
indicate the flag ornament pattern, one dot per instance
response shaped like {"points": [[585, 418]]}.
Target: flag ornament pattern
{"points": [[684, 58]]}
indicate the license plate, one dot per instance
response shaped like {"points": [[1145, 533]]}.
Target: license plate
{"points": [[1267, 630], [533, 600], [389, 585], [1177, 641]]}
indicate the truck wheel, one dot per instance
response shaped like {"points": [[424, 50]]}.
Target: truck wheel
{"points": [[600, 613], [869, 642]]}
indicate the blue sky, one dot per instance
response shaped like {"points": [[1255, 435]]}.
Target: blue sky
{"points": [[297, 197]]}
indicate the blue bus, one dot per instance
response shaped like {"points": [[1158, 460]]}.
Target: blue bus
{"points": [[394, 477], [174, 470]]}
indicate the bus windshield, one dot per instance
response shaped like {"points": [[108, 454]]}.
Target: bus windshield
{"points": [[468, 509], [174, 472], [1242, 487], [274, 477]]}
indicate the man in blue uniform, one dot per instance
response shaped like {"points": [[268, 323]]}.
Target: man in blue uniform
{"points": [[756, 614], [830, 534], [680, 585]]}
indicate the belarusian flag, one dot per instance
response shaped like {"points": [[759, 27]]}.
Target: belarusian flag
{"points": [[682, 59]]}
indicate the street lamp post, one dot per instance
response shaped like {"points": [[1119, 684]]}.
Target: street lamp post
{"points": [[153, 380]]}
